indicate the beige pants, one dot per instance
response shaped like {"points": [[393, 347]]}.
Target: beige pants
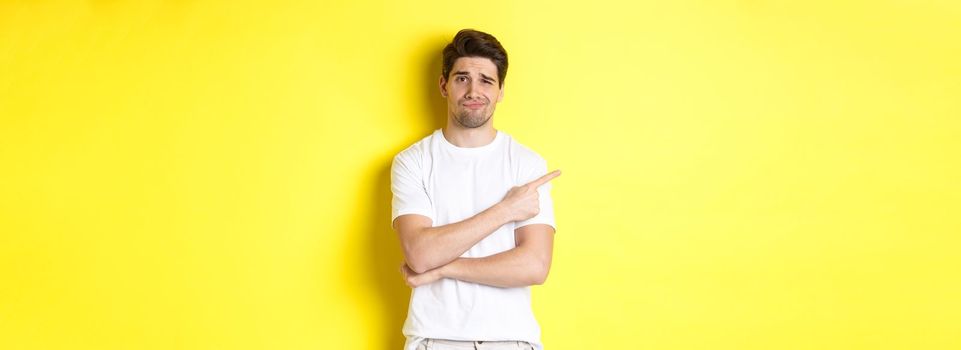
{"points": [[442, 344]]}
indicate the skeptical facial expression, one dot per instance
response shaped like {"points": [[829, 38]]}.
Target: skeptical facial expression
{"points": [[472, 91]]}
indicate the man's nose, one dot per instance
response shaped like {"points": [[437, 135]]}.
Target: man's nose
{"points": [[471, 90]]}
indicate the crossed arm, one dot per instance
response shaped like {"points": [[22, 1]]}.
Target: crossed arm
{"points": [[433, 253]]}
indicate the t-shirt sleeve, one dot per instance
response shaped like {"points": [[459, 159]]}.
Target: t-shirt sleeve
{"points": [[531, 172], [407, 186]]}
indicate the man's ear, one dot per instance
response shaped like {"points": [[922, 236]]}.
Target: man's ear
{"points": [[500, 96], [443, 86]]}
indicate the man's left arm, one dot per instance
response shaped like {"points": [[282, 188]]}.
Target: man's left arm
{"points": [[526, 264]]}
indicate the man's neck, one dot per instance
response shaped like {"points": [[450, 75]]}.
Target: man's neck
{"points": [[469, 138]]}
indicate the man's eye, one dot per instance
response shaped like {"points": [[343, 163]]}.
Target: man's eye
{"points": [[461, 78], [488, 82]]}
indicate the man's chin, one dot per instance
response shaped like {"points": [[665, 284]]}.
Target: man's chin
{"points": [[472, 123]]}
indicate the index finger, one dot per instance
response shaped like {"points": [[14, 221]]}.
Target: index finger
{"points": [[544, 179]]}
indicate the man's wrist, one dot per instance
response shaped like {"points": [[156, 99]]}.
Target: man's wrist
{"points": [[501, 213], [447, 271]]}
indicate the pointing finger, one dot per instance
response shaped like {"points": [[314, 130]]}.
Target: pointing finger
{"points": [[544, 179]]}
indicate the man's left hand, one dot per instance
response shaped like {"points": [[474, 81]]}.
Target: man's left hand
{"points": [[415, 279]]}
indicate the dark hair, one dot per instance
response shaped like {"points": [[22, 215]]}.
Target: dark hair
{"points": [[473, 43]]}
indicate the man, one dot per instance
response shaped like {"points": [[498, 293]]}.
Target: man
{"points": [[474, 214]]}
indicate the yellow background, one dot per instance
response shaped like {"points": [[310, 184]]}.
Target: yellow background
{"points": [[737, 174]]}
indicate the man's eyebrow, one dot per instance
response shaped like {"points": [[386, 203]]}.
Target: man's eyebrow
{"points": [[468, 74]]}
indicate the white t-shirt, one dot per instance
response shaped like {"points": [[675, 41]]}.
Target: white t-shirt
{"points": [[449, 184]]}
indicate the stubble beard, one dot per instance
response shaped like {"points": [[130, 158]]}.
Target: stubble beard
{"points": [[470, 120], [473, 119]]}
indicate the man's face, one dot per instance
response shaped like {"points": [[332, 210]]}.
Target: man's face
{"points": [[472, 91]]}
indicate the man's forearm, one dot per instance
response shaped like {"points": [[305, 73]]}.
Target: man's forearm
{"points": [[517, 267], [438, 246], [427, 248]]}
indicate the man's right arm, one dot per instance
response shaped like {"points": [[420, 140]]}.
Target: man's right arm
{"points": [[426, 247]]}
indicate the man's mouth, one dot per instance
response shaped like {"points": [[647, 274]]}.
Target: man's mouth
{"points": [[474, 105]]}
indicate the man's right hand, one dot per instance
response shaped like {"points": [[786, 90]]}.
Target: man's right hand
{"points": [[521, 202]]}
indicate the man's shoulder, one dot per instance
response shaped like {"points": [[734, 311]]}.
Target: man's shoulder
{"points": [[415, 151], [523, 153]]}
